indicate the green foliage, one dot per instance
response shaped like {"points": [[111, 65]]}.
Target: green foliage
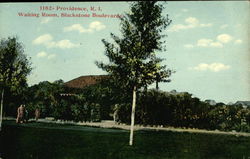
{"points": [[102, 95], [62, 110], [45, 96], [14, 69], [95, 112], [123, 113], [182, 110], [132, 57], [49, 98], [14, 65]]}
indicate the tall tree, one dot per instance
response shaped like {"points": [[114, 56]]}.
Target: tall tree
{"points": [[14, 67], [132, 58]]}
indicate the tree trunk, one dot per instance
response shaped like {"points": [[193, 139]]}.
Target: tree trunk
{"points": [[1, 113], [157, 86], [132, 117]]}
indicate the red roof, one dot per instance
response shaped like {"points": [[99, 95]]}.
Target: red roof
{"points": [[84, 81]]}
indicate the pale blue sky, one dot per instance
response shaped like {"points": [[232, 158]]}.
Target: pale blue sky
{"points": [[207, 44]]}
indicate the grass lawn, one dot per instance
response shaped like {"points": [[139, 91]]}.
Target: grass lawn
{"points": [[40, 140]]}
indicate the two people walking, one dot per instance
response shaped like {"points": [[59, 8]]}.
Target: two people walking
{"points": [[22, 114]]}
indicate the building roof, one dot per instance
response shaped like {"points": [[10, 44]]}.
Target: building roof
{"points": [[243, 103], [210, 101], [85, 81]]}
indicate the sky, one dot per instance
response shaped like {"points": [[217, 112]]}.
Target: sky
{"points": [[207, 43]]}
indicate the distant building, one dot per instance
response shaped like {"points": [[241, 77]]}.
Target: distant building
{"points": [[82, 82], [210, 101], [243, 103], [85, 81], [174, 92]]}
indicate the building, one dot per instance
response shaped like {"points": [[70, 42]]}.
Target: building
{"points": [[174, 92], [243, 103], [82, 82], [210, 101], [85, 81]]}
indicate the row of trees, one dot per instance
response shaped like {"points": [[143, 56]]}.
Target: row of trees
{"points": [[154, 107], [182, 110]]}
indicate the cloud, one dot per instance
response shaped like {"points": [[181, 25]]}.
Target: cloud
{"points": [[76, 27], [218, 43], [188, 46], [43, 39], [206, 25], [208, 43], [43, 54], [224, 26], [191, 22], [224, 38], [63, 44], [46, 20], [47, 40], [177, 27], [93, 26], [239, 41], [214, 67], [96, 25], [204, 42]]}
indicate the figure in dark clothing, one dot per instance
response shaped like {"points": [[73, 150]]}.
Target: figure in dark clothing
{"points": [[26, 115]]}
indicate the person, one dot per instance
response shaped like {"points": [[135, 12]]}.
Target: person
{"points": [[115, 114], [20, 114], [37, 114], [26, 115]]}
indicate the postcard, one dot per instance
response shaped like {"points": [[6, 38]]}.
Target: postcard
{"points": [[181, 72]]}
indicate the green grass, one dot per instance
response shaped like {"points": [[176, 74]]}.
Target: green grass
{"points": [[40, 140]]}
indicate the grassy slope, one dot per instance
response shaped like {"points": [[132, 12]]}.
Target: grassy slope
{"points": [[97, 143]]}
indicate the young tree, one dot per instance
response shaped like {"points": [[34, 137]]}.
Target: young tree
{"points": [[132, 58], [14, 67]]}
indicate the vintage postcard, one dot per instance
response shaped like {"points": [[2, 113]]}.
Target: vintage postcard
{"points": [[110, 80]]}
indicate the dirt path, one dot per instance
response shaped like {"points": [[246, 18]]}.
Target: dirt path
{"points": [[112, 124]]}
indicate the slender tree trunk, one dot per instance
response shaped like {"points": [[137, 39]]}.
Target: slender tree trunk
{"points": [[1, 113], [157, 86], [132, 117]]}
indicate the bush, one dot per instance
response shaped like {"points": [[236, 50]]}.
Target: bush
{"points": [[182, 110], [123, 113]]}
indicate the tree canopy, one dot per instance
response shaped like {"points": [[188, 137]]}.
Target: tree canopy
{"points": [[132, 57], [14, 64]]}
